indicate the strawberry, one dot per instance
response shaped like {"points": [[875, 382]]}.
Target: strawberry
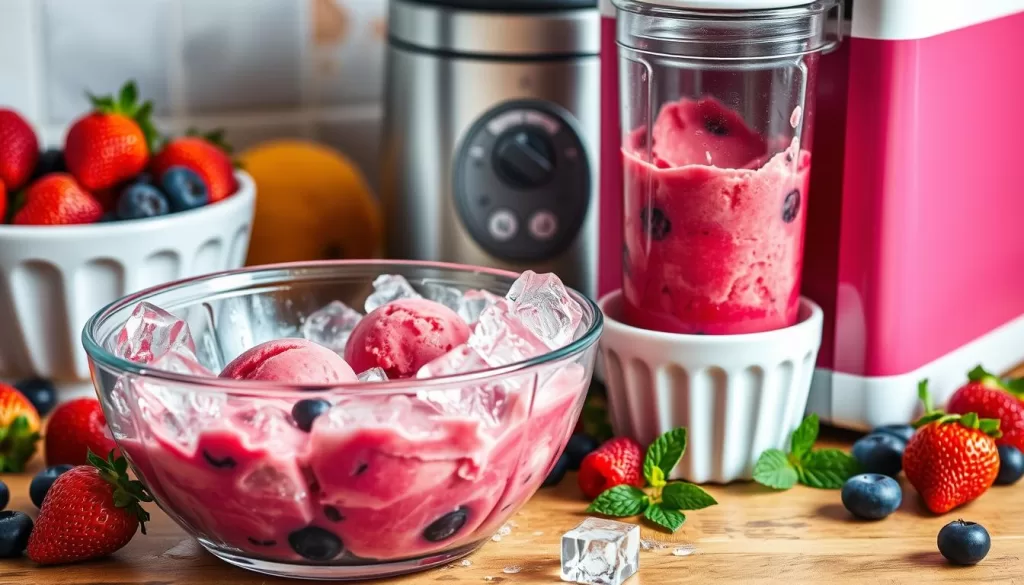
{"points": [[57, 199], [89, 512], [75, 428], [207, 155], [990, 397], [3, 202], [19, 429], [19, 149], [112, 143], [952, 459], [617, 462]]}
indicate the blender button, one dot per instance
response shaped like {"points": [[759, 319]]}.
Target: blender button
{"points": [[503, 225], [543, 225]]}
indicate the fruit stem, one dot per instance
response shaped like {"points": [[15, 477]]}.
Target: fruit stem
{"points": [[128, 493]]}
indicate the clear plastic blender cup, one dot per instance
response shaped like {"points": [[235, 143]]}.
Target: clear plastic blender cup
{"points": [[717, 109]]}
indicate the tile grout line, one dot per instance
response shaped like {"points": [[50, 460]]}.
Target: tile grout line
{"points": [[176, 79]]}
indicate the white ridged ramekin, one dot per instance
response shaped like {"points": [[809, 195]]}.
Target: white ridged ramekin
{"points": [[52, 279], [736, 394]]}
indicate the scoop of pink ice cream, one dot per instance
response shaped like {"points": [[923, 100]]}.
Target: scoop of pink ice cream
{"points": [[295, 361], [402, 336]]}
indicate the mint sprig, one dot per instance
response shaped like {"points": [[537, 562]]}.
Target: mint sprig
{"points": [[822, 468], [664, 504]]}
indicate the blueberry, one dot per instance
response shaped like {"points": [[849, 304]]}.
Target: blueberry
{"points": [[15, 528], [5, 495], [791, 206], [51, 160], [903, 432], [140, 200], [880, 453], [871, 496], [43, 480], [306, 411], [655, 223], [185, 189], [315, 543], [219, 462], [964, 543], [446, 526], [580, 445], [558, 471], [40, 392], [1011, 465]]}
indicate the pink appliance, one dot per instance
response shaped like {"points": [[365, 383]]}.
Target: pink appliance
{"points": [[914, 246]]}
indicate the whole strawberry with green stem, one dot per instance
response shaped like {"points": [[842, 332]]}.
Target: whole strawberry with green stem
{"points": [[952, 459], [111, 144], [208, 155], [990, 397], [89, 512], [663, 502]]}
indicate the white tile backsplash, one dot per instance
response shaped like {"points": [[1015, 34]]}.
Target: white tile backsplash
{"points": [[96, 45], [261, 69], [242, 54]]}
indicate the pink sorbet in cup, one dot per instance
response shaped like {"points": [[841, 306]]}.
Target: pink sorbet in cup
{"points": [[714, 228]]}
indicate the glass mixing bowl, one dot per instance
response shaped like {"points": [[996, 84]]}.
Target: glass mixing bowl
{"points": [[402, 475]]}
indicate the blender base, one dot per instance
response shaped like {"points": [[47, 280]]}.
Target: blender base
{"points": [[864, 402]]}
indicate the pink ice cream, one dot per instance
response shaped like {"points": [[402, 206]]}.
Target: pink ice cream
{"points": [[714, 224], [291, 360], [401, 337]]}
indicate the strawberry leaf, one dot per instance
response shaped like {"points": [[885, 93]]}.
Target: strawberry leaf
{"points": [[664, 453], [990, 426], [1014, 386], [671, 520], [620, 501], [928, 418], [129, 94], [804, 436], [19, 445], [969, 420]]}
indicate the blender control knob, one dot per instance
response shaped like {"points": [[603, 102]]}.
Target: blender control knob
{"points": [[524, 158]]}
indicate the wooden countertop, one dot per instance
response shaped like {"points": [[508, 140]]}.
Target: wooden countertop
{"points": [[753, 536]]}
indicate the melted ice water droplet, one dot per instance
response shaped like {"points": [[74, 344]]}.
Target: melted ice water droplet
{"points": [[796, 116], [512, 569], [683, 551], [466, 562]]}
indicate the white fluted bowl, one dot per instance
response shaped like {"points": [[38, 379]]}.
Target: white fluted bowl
{"points": [[736, 394], [53, 278]]}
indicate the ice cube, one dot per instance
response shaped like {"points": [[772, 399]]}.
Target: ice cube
{"points": [[543, 304], [460, 360], [388, 288], [374, 375], [486, 404], [151, 332], [501, 339], [473, 303], [269, 481], [177, 414], [181, 361], [600, 552], [331, 325], [448, 296]]}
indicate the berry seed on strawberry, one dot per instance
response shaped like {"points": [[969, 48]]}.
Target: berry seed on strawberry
{"points": [[91, 512], [616, 462], [952, 458]]}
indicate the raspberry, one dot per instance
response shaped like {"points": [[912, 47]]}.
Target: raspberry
{"points": [[617, 462]]}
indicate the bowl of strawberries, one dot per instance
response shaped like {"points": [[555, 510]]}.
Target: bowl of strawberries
{"points": [[115, 210]]}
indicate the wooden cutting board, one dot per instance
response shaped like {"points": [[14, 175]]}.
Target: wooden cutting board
{"points": [[752, 536]]}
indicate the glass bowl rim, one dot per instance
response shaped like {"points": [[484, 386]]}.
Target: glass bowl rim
{"points": [[97, 352]]}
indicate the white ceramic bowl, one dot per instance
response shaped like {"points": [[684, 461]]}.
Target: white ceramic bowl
{"points": [[52, 279], [736, 394]]}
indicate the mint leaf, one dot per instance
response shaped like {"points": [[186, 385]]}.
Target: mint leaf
{"points": [[668, 519], [774, 470], [657, 478], [685, 496], [620, 501], [803, 437], [827, 469], [664, 453]]}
